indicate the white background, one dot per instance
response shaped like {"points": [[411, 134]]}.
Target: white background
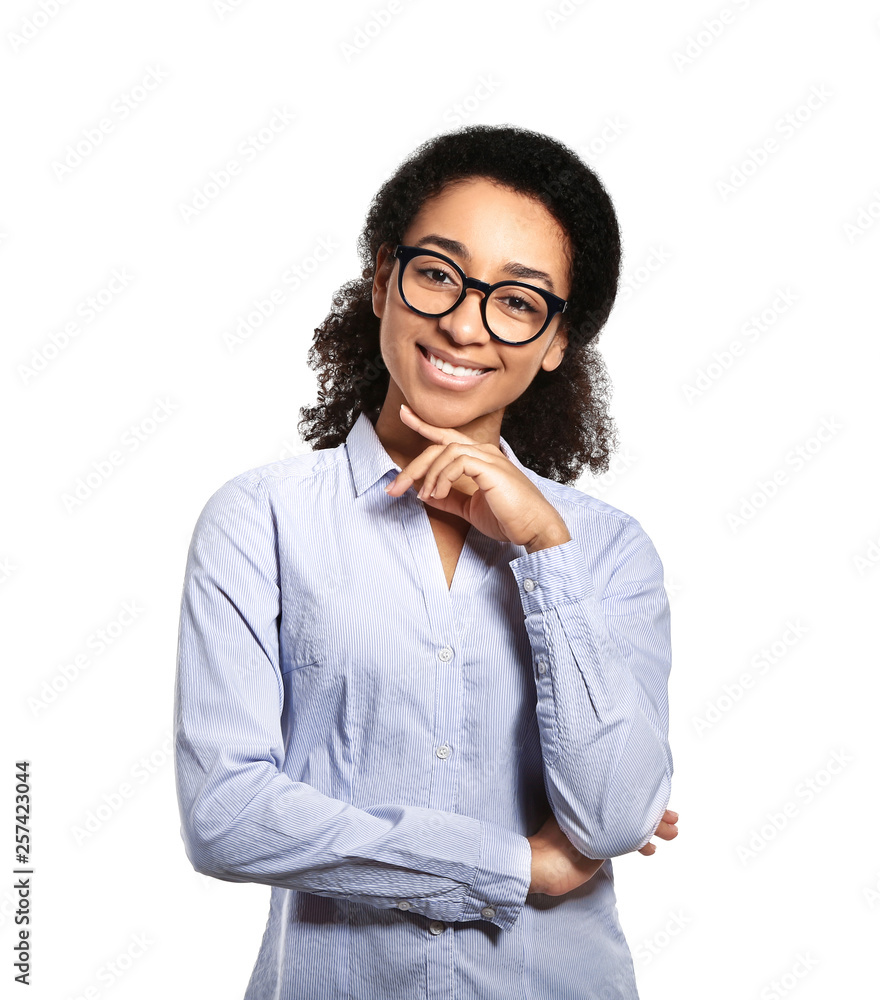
{"points": [[669, 103]]}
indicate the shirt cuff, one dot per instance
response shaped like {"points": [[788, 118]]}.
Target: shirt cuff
{"points": [[551, 576], [503, 877]]}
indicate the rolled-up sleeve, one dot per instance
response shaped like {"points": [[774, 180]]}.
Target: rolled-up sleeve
{"points": [[243, 819], [601, 667]]}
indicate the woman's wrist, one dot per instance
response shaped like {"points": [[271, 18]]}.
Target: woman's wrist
{"points": [[555, 534]]}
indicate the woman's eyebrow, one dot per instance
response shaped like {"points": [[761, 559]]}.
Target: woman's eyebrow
{"points": [[513, 268]]}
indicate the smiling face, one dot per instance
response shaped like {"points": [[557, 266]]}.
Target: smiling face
{"points": [[493, 233]]}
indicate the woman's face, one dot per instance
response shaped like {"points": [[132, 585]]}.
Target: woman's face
{"points": [[495, 227]]}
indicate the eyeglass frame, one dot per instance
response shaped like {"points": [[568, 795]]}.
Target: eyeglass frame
{"points": [[555, 305]]}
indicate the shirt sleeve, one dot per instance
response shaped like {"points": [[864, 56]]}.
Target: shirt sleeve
{"points": [[601, 669], [243, 819]]}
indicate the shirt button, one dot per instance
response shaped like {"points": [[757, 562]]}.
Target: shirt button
{"points": [[446, 654], [529, 585], [444, 751], [436, 927], [404, 904], [488, 912], [542, 666]]}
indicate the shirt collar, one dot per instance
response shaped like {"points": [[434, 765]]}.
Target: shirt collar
{"points": [[370, 462]]}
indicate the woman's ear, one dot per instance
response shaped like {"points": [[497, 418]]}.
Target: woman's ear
{"points": [[381, 276], [556, 351]]}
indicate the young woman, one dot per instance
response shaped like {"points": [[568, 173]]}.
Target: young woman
{"points": [[422, 678]]}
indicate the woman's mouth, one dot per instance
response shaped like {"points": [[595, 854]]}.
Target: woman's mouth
{"points": [[453, 376]]}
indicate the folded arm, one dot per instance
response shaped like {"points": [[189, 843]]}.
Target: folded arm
{"points": [[243, 819]]}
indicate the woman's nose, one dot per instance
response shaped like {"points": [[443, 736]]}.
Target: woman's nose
{"points": [[465, 322]]}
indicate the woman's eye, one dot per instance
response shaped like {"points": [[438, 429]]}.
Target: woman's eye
{"points": [[516, 304], [434, 274]]}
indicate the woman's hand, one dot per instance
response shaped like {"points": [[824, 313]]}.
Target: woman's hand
{"points": [[506, 504], [558, 866]]}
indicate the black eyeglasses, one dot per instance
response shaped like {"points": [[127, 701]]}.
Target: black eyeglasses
{"points": [[513, 311]]}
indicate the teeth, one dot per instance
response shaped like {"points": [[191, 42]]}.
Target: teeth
{"points": [[445, 366]]}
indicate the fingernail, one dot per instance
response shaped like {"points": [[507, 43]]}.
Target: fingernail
{"points": [[388, 487]]}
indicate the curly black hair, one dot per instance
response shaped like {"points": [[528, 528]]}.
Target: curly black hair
{"points": [[561, 423]]}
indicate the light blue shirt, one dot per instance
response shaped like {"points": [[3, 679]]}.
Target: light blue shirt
{"points": [[377, 746]]}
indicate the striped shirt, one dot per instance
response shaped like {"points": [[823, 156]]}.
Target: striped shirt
{"points": [[377, 746]]}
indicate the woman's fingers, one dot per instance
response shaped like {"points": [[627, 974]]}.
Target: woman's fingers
{"points": [[441, 436], [416, 470], [666, 829], [440, 477]]}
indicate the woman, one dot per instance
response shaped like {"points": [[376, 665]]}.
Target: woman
{"points": [[431, 742]]}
